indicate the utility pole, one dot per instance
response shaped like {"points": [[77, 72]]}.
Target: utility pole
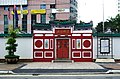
{"points": [[103, 18]]}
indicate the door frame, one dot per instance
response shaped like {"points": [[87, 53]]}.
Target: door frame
{"points": [[69, 47]]}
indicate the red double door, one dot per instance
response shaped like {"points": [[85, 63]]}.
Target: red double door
{"points": [[62, 48]]}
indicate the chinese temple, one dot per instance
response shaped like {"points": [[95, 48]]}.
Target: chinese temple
{"points": [[63, 40]]}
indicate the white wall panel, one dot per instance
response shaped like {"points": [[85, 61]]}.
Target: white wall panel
{"points": [[24, 48], [116, 47]]}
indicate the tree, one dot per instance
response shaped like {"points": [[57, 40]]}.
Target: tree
{"points": [[112, 23], [11, 58]]}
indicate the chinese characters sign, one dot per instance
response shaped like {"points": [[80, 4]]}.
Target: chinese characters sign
{"points": [[63, 31]]}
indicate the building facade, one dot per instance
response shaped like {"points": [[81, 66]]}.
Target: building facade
{"points": [[34, 11], [118, 6]]}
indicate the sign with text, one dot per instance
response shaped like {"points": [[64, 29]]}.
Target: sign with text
{"points": [[40, 11], [23, 12], [60, 10], [63, 31]]}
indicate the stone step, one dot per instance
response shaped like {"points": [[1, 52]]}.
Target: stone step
{"points": [[105, 60], [63, 61]]}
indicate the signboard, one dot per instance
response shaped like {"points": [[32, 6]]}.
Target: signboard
{"points": [[19, 12], [40, 11], [104, 46], [13, 2], [60, 10], [62, 31]]}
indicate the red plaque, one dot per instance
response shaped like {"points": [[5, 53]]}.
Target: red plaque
{"points": [[63, 31]]}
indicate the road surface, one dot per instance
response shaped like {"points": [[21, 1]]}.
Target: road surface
{"points": [[100, 76]]}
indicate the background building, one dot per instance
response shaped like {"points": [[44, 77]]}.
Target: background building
{"points": [[35, 11], [118, 6]]}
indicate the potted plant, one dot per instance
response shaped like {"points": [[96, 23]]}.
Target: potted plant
{"points": [[11, 58]]}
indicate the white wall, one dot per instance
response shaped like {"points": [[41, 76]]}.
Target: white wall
{"points": [[2, 48], [24, 49], [116, 47], [94, 47]]}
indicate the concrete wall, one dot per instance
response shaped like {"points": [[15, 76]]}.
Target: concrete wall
{"points": [[116, 47], [25, 47], [94, 47]]}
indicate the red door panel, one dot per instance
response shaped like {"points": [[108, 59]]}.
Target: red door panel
{"points": [[62, 48]]}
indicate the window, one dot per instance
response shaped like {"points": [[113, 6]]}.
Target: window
{"points": [[42, 6], [71, 9], [16, 22], [17, 7], [6, 8], [78, 42], [5, 24], [43, 18], [52, 5], [46, 44], [33, 21], [54, 16], [24, 7], [24, 23]]}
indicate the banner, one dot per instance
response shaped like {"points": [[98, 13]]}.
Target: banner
{"points": [[40, 11], [19, 12]]}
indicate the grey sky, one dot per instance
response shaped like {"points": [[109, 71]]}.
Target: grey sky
{"points": [[93, 10]]}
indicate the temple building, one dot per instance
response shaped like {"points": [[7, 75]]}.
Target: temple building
{"points": [[63, 40]]}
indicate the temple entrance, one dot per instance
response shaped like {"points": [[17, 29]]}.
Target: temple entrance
{"points": [[62, 48]]}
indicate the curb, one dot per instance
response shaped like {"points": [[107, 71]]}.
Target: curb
{"points": [[57, 71], [6, 72], [113, 72]]}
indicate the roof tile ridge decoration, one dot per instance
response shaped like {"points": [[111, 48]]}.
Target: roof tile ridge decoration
{"points": [[84, 24], [62, 22], [106, 34]]}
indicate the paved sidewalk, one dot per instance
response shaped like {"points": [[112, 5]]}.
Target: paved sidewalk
{"points": [[49, 65], [110, 66], [60, 68], [8, 67], [65, 68]]}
